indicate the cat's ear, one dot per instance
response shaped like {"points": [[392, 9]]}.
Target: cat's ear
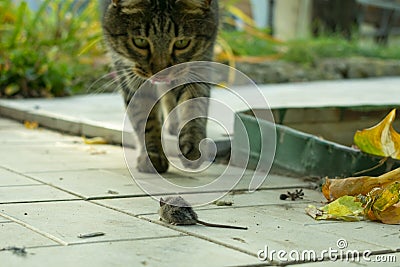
{"points": [[116, 3], [130, 6], [162, 202], [196, 3]]}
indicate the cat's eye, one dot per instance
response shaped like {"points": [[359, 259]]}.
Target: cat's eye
{"points": [[181, 44], [140, 42]]}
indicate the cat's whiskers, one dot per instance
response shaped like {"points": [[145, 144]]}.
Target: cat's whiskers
{"points": [[132, 81], [139, 71], [100, 89], [114, 79]]}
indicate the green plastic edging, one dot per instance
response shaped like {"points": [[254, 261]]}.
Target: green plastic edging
{"points": [[301, 154]]}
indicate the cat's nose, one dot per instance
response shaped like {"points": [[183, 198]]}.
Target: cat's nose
{"points": [[159, 65]]}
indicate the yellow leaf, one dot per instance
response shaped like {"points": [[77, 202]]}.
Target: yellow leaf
{"points": [[94, 141], [31, 124], [346, 208], [384, 204], [380, 140], [353, 186]]}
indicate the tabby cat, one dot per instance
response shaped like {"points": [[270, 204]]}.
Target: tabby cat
{"points": [[145, 37]]}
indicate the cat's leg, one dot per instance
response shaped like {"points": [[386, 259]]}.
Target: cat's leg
{"points": [[193, 117], [168, 103], [146, 124]]}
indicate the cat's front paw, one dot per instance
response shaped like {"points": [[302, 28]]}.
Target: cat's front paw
{"points": [[190, 155], [152, 162]]}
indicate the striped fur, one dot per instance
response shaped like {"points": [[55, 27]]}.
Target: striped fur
{"points": [[145, 37]]}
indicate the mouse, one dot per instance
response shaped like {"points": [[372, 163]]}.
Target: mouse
{"points": [[177, 211]]}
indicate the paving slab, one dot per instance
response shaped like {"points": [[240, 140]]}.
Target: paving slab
{"points": [[66, 188], [266, 230], [198, 180], [15, 235], [207, 173], [149, 206], [387, 260], [168, 251], [32, 193], [82, 115], [66, 220], [93, 183], [109, 182], [57, 156], [13, 135], [8, 124], [369, 232], [9, 178]]}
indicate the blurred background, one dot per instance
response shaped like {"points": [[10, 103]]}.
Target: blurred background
{"points": [[55, 48]]}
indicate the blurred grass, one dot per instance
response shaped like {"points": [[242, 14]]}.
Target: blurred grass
{"points": [[57, 49], [41, 51], [308, 51], [246, 44]]}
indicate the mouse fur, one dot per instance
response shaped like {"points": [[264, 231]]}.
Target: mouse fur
{"points": [[177, 211]]}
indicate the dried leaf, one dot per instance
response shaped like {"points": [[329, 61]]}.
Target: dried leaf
{"points": [[353, 186], [31, 124], [223, 203], [94, 141], [391, 215], [94, 151], [313, 211], [380, 140], [346, 208], [384, 204]]}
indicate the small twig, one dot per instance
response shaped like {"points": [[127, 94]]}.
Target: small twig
{"points": [[95, 234], [380, 163]]}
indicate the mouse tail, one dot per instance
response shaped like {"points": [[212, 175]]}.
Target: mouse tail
{"points": [[221, 225]]}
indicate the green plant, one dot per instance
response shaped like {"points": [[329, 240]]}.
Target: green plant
{"points": [[310, 50], [52, 51], [256, 45], [244, 43], [307, 51]]}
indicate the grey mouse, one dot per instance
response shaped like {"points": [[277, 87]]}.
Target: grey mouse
{"points": [[177, 211]]}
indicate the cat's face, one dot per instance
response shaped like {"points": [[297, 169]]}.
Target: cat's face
{"points": [[151, 35]]}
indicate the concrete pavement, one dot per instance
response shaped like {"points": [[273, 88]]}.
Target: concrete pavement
{"points": [[54, 187]]}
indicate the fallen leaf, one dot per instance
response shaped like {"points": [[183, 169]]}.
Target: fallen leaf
{"points": [[31, 124], [383, 204], [94, 141], [381, 139], [313, 211], [94, 151], [223, 203], [346, 208], [391, 215], [353, 186]]}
